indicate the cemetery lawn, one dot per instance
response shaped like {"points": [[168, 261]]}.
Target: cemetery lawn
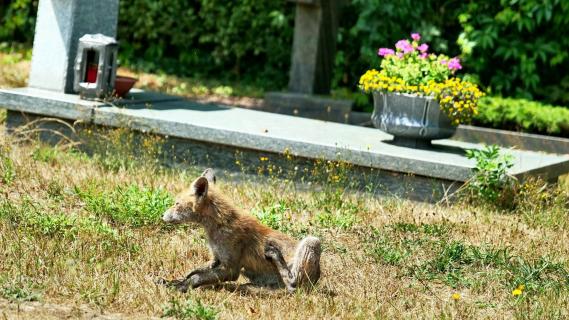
{"points": [[81, 236]]}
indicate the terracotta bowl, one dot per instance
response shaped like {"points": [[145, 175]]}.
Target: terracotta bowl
{"points": [[123, 85]]}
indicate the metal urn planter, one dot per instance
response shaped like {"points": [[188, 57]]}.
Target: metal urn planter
{"points": [[413, 120]]}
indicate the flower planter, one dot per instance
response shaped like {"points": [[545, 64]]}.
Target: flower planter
{"points": [[413, 120], [123, 85]]}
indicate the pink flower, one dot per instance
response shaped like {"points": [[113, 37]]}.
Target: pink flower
{"points": [[423, 55], [423, 48], [444, 62], [399, 55], [384, 52], [416, 36], [405, 46], [454, 64]]}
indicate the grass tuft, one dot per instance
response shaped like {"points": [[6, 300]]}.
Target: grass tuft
{"points": [[131, 205], [189, 310]]}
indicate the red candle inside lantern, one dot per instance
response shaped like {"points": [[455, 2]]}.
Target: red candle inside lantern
{"points": [[92, 73]]}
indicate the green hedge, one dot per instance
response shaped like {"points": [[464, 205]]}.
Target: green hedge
{"points": [[513, 47], [523, 115], [247, 40]]}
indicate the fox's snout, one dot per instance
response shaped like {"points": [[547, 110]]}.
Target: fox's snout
{"points": [[168, 216]]}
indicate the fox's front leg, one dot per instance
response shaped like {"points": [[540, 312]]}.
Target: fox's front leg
{"points": [[216, 275], [213, 264], [183, 284]]}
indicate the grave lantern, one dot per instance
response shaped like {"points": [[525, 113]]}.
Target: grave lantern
{"points": [[95, 66]]}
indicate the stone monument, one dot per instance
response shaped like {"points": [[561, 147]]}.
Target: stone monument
{"points": [[314, 46], [60, 24], [312, 63]]}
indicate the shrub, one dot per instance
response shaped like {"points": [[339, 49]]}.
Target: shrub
{"points": [[523, 115], [225, 39]]}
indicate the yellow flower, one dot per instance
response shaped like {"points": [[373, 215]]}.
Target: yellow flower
{"points": [[263, 158], [521, 287], [456, 296], [516, 292]]}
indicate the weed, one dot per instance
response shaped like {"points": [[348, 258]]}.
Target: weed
{"points": [[18, 293], [335, 210], [7, 169], [122, 149], [491, 181], [428, 229], [542, 204], [46, 154], [388, 252], [189, 310], [55, 190], [275, 216], [538, 275]]}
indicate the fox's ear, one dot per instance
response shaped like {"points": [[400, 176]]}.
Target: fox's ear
{"points": [[209, 174], [200, 187]]}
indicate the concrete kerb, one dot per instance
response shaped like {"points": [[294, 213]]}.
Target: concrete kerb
{"points": [[231, 160]]}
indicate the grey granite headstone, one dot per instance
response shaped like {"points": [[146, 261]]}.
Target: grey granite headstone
{"points": [[314, 46], [60, 24]]}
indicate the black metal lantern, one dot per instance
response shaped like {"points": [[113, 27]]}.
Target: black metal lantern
{"points": [[95, 66]]}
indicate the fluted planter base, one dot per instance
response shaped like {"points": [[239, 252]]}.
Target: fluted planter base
{"points": [[414, 121]]}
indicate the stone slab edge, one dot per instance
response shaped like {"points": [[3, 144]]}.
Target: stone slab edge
{"points": [[101, 114], [523, 141], [115, 117], [308, 101], [20, 101]]}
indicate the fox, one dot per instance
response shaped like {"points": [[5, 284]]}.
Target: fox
{"points": [[239, 244]]}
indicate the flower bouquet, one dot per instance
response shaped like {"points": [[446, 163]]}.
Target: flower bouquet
{"points": [[416, 95]]}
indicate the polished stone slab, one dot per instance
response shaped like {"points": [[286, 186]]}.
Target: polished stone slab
{"points": [[308, 138]]}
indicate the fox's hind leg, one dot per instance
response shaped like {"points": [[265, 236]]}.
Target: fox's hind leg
{"points": [[305, 267], [306, 264]]}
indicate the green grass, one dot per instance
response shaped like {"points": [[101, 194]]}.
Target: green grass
{"points": [[18, 292], [461, 265], [131, 205], [189, 310]]}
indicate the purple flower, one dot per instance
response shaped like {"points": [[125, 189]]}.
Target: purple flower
{"points": [[405, 46], [384, 52], [423, 48], [416, 36], [454, 64], [423, 55]]}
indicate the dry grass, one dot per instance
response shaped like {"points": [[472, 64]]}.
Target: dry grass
{"points": [[14, 70], [83, 237]]}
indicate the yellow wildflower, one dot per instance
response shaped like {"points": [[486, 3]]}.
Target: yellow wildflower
{"points": [[516, 292], [456, 296]]}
